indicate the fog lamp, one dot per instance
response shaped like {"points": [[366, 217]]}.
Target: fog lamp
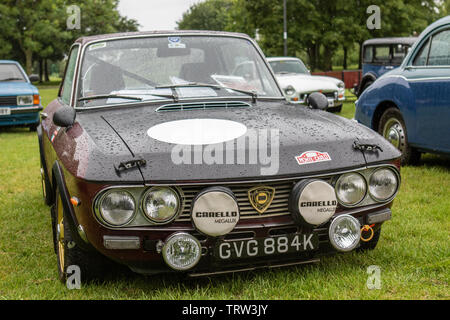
{"points": [[181, 251], [344, 233]]}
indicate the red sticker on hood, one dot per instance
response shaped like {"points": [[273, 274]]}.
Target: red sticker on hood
{"points": [[312, 157]]}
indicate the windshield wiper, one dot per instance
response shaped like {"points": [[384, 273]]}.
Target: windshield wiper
{"points": [[118, 96], [253, 94], [107, 96], [11, 79]]}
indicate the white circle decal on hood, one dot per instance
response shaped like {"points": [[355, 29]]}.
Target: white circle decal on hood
{"points": [[197, 131]]}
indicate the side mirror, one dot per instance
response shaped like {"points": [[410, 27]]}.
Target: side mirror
{"points": [[317, 100], [64, 117], [33, 78]]}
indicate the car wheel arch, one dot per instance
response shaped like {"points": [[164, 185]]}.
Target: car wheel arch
{"points": [[58, 183], [49, 183], [380, 109], [368, 77]]}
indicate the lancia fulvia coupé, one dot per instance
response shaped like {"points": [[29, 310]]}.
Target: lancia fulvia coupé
{"points": [[157, 156]]}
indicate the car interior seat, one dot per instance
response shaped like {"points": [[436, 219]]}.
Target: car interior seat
{"points": [[106, 79], [196, 72]]}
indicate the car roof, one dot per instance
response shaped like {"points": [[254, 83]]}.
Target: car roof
{"points": [[281, 58], [395, 40], [110, 36], [436, 24], [8, 61]]}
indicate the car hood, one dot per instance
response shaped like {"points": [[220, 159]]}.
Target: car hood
{"points": [[294, 130], [307, 83], [12, 88]]}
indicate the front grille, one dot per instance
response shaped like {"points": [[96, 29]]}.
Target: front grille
{"points": [[278, 207], [331, 95], [8, 101]]}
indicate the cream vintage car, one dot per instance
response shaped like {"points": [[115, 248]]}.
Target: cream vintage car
{"points": [[297, 82]]}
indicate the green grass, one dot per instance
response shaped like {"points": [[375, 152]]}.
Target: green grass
{"points": [[413, 252]]}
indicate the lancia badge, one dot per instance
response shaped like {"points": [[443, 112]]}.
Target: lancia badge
{"points": [[261, 197]]}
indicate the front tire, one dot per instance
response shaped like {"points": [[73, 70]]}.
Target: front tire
{"points": [[392, 127], [365, 86], [68, 253]]}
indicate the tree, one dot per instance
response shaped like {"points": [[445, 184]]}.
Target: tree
{"points": [[37, 29], [208, 15], [318, 29]]}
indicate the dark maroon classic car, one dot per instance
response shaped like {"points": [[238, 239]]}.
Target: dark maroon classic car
{"points": [[159, 154]]}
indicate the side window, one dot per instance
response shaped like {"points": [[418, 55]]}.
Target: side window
{"points": [[440, 49], [421, 57], [368, 54], [68, 76], [382, 53], [398, 53]]}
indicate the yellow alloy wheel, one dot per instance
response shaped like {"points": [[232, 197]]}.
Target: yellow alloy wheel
{"points": [[60, 234]]}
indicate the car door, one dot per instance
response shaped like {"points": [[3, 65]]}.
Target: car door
{"points": [[429, 79]]}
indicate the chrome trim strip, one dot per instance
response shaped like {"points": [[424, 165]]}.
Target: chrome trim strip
{"points": [[25, 109], [418, 79]]}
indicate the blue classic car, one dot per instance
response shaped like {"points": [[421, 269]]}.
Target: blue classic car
{"points": [[19, 99], [410, 106], [382, 55]]}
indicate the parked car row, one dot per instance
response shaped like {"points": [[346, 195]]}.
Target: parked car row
{"points": [[410, 105], [381, 55], [19, 100], [298, 83], [117, 171], [123, 175]]}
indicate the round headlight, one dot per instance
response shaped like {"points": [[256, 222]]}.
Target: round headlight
{"points": [[117, 207], [344, 233], [289, 91], [351, 189], [181, 251], [161, 204], [383, 184]]}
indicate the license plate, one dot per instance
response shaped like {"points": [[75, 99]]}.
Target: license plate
{"points": [[5, 111], [271, 246], [331, 103]]}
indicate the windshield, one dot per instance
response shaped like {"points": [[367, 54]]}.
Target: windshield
{"points": [[117, 70], [10, 72], [288, 66]]}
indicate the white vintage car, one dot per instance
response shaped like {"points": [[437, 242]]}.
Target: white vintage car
{"points": [[297, 82]]}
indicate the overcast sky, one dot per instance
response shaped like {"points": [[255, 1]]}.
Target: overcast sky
{"points": [[155, 14]]}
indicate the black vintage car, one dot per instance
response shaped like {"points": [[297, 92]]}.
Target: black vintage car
{"points": [[157, 156]]}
